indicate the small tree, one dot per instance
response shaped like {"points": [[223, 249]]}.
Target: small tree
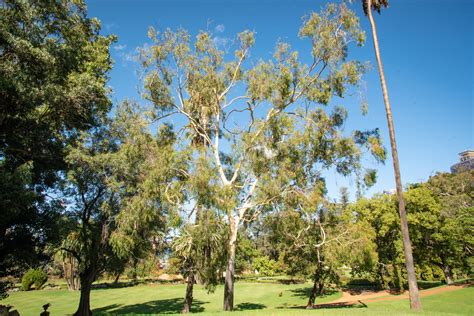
{"points": [[199, 248], [117, 174], [316, 242]]}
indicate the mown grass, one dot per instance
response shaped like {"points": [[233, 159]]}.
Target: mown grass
{"points": [[250, 299]]}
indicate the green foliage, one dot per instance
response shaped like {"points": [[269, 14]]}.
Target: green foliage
{"points": [[274, 148], [439, 216], [259, 133], [53, 75], [199, 249], [319, 245], [264, 266], [452, 237], [380, 216], [376, 5], [119, 187], [144, 167], [36, 277], [246, 253]]}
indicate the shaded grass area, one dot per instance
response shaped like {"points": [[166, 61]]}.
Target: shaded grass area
{"points": [[250, 299], [165, 306]]}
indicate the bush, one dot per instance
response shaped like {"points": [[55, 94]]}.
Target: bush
{"points": [[264, 265], [34, 277]]}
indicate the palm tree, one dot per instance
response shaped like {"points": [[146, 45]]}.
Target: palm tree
{"points": [[376, 5]]}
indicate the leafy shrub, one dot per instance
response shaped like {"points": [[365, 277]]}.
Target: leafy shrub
{"points": [[34, 277], [264, 266]]}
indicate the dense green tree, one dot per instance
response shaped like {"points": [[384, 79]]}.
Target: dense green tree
{"points": [[380, 214], [93, 206], [452, 239], [439, 215], [117, 176], [53, 73], [257, 135]]}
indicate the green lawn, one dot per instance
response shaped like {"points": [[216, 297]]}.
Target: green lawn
{"points": [[251, 299]]}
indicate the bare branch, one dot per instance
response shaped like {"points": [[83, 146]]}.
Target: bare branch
{"points": [[234, 76], [233, 100]]}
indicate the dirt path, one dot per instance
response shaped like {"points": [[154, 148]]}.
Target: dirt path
{"points": [[372, 296]]}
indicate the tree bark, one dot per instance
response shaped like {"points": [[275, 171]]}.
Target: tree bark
{"points": [[415, 302], [380, 271], [117, 277], [74, 277], [312, 295], [134, 271], [321, 288], [230, 270], [188, 300], [84, 308], [69, 284]]}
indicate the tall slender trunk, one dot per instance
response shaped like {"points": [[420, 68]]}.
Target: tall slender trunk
{"points": [[188, 300], [84, 308], [230, 270], [415, 302]]}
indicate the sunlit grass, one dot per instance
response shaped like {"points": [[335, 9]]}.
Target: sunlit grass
{"points": [[250, 299]]}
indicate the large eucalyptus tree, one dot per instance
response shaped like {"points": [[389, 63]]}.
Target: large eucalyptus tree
{"points": [[265, 133]]}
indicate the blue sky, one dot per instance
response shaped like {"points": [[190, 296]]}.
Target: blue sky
{"points": [[427, 50]]}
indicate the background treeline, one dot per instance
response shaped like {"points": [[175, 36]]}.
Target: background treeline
{"points": [[440, 214]]}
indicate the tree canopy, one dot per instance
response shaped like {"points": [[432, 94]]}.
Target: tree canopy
{"points": [[53, 74]]}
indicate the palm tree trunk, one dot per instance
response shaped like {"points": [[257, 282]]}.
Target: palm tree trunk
{"points": [[415, 302]]}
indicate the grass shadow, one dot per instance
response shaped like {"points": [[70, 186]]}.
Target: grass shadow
{"points": [[348, 305], [249, 306], [165, 306], [306, 291], [358, 304], [105, 309]]}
